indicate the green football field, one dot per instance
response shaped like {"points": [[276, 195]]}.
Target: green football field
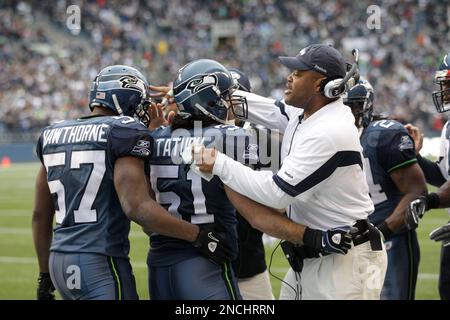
{"points": [[18, 264]]}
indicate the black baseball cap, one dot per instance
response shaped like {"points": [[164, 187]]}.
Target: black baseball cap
{"points": [[318, 57]]}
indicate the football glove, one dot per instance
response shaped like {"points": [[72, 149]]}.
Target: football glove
{"points": [[213, 245], [46, 289], [441, 234], [417, 208], [337, 240]]}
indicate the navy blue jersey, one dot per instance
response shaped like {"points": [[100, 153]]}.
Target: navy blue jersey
{"points": [[185, 194], [386, 148], [79, 156]]}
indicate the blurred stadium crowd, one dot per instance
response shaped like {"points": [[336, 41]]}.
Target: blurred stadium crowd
{"points": [[46, 69]]}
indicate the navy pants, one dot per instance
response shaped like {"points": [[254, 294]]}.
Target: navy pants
{"points": [[444, 274], [87, 276], [196, 278], [403, 263]]}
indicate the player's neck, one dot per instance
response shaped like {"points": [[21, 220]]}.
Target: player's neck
{"points": [[99, 111]]}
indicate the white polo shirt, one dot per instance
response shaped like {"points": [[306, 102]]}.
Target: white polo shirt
{"points": [[321, 181]]}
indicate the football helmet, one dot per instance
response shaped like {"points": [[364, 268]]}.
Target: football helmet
{"points": [[239, 103], [360, 99], [122, 89], [441, 97], [204, 87]]}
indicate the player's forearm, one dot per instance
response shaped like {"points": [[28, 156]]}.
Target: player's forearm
{"points": [[431, 171], [154, 218], [42, 238], [444, 195], [396, 221]]}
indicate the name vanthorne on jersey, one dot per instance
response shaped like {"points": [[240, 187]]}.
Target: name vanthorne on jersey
{"points": [[79, 156], [387, 147], [185, 194]]}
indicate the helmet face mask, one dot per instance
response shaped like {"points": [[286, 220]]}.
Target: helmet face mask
{"points": [[204, 88], [441, 98], [238, 106], [123, 90]]}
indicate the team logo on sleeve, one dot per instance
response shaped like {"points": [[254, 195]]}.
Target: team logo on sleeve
{"points": [[143, 143], [405, 143], [141, 149]]}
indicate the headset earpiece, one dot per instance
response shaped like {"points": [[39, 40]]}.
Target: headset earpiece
{"points": [[335, 87]]}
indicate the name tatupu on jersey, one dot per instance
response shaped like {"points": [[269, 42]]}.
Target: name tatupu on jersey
{"points": [[75, 134]]}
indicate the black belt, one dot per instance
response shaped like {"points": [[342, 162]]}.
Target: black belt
{"points": [[367, 232]]}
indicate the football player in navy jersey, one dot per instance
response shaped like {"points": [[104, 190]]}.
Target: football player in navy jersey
{"points": [[92, 181], [176, 269], [394, 178], [437, 174]]}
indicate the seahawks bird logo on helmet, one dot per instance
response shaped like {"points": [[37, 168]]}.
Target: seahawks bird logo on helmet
{"points": [[204, 87], [203, 82]]}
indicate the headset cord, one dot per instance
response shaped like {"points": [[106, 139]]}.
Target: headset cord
{"points": [[276, 277]]}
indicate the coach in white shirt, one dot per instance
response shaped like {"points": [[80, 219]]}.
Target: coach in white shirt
{"points": [[321, 182]]}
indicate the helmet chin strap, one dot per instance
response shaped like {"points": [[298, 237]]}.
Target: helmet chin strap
{"points": [[117, 105], [208, 114]]}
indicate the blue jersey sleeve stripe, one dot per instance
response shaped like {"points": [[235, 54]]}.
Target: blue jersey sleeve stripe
{"points": [[282, 107], [339, 159]]}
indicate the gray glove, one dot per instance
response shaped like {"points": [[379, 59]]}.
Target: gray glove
{"points": [[415, 212], [441, 234], [417, 208]]}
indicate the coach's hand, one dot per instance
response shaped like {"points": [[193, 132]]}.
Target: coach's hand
{"points": [[46, 289], [337, 240], [441, 234], [213, 245], [205, 158]]}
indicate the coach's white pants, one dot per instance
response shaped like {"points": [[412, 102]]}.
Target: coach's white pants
{"points": [[257, 287], [357, 275]]}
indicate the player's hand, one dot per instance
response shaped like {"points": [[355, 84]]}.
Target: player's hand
{"points": [[415, 212], [337, 240], [205, 158], [46, 289], [157, 116], [164, 92], [417, 136], [441, 234], [213, 244]]}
